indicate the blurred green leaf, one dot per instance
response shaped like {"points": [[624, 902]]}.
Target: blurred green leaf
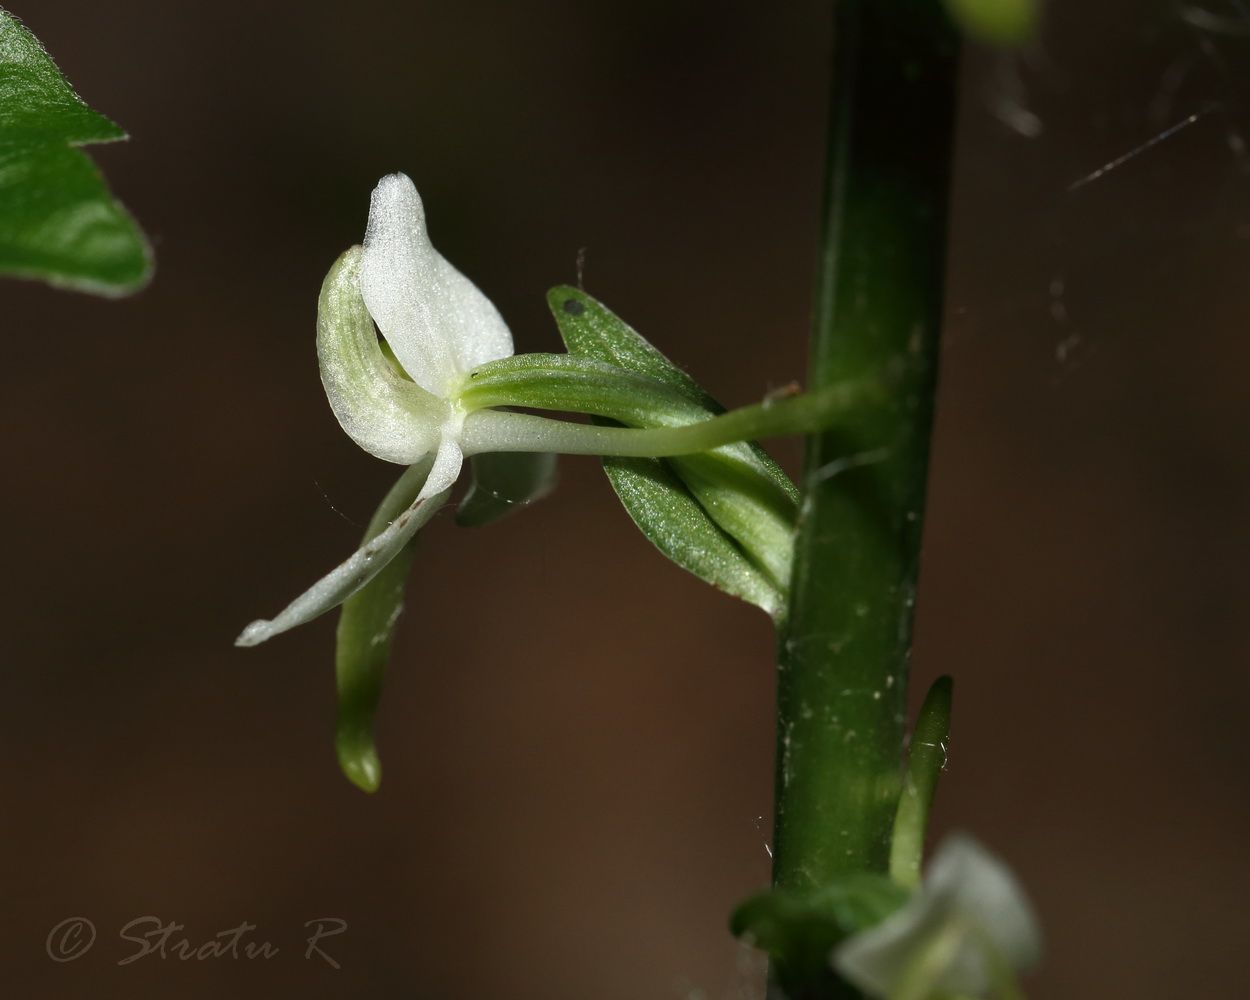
{"points": [[58, 221], [1003, 23], [799, 929], [728, 515]]}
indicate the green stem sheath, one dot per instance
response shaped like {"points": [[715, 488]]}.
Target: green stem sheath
{"points": [[844, 646], [924, 767]]}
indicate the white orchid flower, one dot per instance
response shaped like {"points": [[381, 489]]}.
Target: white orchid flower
{"points": [[439, 327], [966, 931], [418, 407]]}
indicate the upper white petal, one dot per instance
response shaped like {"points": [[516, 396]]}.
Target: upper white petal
{"points": [[437, 322], [970, 899]]}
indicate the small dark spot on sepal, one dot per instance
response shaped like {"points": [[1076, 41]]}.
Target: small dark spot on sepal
{"points": [[573, 307]]}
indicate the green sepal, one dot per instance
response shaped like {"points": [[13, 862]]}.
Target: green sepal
{"points": [[577, 384], [58, 221], [503, 482], [732, 520], [799, 929], [366, 628]]}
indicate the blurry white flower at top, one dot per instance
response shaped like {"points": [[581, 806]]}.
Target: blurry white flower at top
{"points": [[439, 327], [966, 931]]}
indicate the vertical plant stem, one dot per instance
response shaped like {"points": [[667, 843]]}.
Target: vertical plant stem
{"points": [[844, 645]]}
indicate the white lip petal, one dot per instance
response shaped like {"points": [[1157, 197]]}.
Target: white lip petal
{"points": [[436, 320], [380, 410], [361, 567]]}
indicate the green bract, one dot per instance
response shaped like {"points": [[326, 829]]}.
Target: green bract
{"points": [[727, 516], [925, 763], [57, 219]]}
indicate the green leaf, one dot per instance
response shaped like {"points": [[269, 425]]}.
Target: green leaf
{"points": [[798, 929], [366, 628], [58, 221], [728, 515], [504, 482]]}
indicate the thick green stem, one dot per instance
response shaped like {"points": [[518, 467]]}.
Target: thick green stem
{"points": [[845, 645]]}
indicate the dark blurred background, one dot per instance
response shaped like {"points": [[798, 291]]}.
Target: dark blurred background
{"points": [[577, 737]]}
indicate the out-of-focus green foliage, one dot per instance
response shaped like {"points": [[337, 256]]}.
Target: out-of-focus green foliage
{"points": [[58, 221], [1004, 23]]}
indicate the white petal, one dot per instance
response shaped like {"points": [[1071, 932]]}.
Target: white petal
{"points": [[435, 319], [971, 914], [380, 410], [976, 883], [364, 564]]}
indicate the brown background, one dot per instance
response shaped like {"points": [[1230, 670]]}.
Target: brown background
{"points": [[577, 736]]}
